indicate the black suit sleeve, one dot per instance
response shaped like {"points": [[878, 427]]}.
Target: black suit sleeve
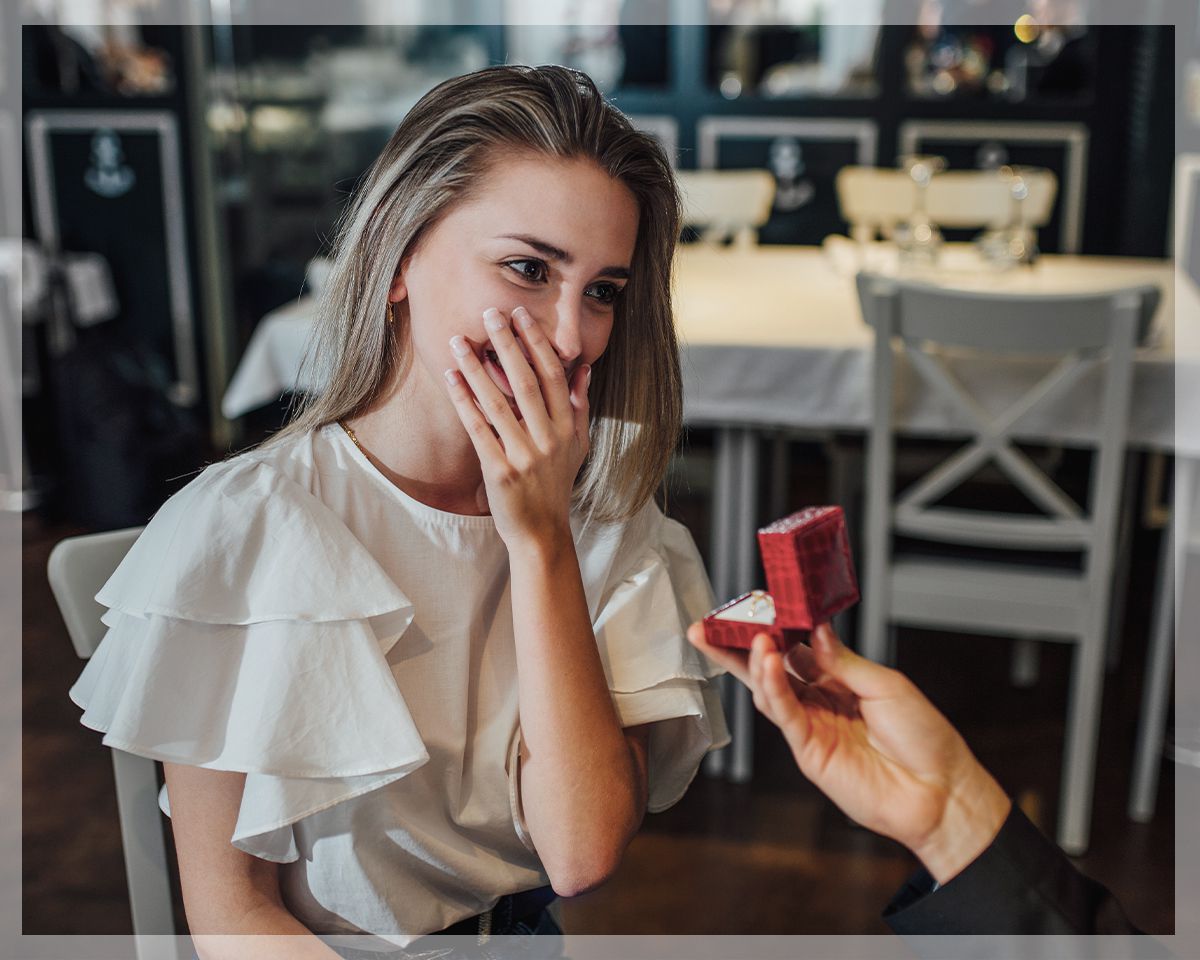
{"points": [[1021, 884]]}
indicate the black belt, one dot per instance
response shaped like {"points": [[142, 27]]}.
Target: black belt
{"points": [[509, 909]]}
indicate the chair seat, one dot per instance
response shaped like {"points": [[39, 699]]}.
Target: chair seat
{"points": [[987, 597]]}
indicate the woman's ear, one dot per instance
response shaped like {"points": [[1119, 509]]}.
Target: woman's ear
{"points": [[398, 291]]}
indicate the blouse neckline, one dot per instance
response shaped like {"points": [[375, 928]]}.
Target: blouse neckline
{"points": [[341, 437]]}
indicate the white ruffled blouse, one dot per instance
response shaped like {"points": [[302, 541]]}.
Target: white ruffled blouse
{"points": [[293, 615]]}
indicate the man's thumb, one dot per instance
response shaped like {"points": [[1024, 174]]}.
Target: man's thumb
{"points": [[866, 678]]}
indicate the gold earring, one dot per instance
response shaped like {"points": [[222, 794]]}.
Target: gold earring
{"points": [[391, 312]]}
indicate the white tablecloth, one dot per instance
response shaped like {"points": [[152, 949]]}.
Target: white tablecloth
{"points": [[271, 364], [774, 336]]}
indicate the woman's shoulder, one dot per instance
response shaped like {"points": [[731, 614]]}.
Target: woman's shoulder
{"points": [[621, 541], [612, 552], [247, 540], [283, 461]]}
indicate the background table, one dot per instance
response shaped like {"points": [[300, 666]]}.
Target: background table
{"points": [[775, 336]]}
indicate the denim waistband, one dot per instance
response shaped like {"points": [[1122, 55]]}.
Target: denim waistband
{"points": [[511, 915], [517, 919]]}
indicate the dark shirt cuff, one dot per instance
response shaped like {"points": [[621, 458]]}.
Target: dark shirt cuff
{"points": [[1021, 884]]}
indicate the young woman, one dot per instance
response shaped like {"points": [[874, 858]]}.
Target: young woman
{"points": [[423, 652]]}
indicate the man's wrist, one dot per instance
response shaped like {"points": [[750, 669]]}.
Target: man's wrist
{"points": [[973, 817]]}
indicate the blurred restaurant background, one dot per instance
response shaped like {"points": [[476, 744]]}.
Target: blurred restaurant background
{"points": [[180, 189]]}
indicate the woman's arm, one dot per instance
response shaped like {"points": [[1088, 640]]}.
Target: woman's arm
{"points": [[231, 898], [583, 783], [583, 780]]}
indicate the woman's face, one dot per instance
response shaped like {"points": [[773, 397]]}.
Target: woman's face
{"points": [[555, 236]]}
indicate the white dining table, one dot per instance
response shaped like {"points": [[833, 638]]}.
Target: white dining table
{"points": [[772, 338]]}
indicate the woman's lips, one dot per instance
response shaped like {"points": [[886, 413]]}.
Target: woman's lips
{"points": [[491, 363]]}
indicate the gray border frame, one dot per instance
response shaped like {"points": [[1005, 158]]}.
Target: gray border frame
{"points": [[1073, 136], [10, 175], [1185, 942], [1187, 176], [40, 125]]}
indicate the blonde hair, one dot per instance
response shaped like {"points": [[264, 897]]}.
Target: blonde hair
{"points": [[437, 153]]}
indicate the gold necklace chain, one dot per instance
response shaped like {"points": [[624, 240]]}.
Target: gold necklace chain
{"points": [[350, 434]]}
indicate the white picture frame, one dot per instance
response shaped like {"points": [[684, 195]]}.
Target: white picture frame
{"points": [[711, 130], [40, 126]]}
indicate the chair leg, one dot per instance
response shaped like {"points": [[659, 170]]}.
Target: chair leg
{"points": [[725, 495], [1083, 730], [891, 654], [777, 497], [845, 488], [741, 767], [716, 761], [1120, 584], [1156, 691], [1169, 592], [145, 852], [873, 627]]}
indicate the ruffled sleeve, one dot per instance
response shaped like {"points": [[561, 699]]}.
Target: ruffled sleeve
{"points": [[658, 588], [249, 632]]}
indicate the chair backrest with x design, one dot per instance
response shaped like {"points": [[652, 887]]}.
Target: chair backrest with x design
{"points": [[1077, 330]]}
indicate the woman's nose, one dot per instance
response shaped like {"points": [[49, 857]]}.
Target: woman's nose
{"points": [[565, 329]]}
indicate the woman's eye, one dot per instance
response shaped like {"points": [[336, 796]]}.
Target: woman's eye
{"points": [[603, 292], [532, 270]]}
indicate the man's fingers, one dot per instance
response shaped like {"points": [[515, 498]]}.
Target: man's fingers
{"points": [[801, 663], [869, 680], [786, 709], [759, 648], [735, 661]]}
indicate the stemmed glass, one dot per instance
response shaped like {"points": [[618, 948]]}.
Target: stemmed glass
{"points": [[919, 239], [1015, 242]]}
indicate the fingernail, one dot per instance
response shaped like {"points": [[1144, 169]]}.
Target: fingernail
{"points": [[824, 638], [588, 380], [451, 377], [492, 319], [459, 346], [523, 318]]}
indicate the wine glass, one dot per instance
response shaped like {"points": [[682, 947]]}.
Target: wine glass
{"points": [[919, 239], [1015, 242]]}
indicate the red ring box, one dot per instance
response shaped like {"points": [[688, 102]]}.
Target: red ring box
{"points": [[810, 578]]}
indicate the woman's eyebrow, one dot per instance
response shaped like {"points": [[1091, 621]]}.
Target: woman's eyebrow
{"points": [[552, 252]]}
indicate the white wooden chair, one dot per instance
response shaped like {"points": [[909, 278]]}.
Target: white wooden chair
{"points": [[78, 567], [1025, 601], [874, 199], [727, 203]]}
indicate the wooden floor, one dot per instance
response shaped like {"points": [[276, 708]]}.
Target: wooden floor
{"points": [[771, 856]]}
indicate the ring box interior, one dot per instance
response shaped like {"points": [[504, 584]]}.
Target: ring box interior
{"points": [[810, 579]]}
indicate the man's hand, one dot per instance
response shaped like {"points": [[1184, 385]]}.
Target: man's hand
{"points": [[872, 743]]}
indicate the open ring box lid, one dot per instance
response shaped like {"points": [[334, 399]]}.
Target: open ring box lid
{"points": [[810, 579]]}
